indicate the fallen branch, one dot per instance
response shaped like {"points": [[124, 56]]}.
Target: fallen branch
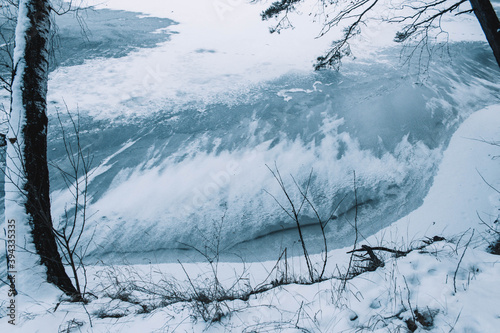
{"points": [[375, 262]]}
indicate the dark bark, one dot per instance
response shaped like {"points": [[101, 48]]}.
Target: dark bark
{"points": [[490, 24], [34, 93]]}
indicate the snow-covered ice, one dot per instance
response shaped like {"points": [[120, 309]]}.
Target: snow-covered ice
{"points": [[224, 94]]}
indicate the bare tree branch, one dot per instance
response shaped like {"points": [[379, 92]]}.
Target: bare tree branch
{"points": [[421, 18]]}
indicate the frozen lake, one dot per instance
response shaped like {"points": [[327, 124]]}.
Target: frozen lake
{"points": [[170, 165]]}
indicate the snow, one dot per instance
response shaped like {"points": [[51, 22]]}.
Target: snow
{"points": [[222, 52], [468, 158]]}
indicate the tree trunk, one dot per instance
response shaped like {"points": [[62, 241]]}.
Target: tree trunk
{"points": [[490, 24], [28, 136]]}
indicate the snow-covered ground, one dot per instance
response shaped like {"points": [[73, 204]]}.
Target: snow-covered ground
{"points": [[182, 132]]}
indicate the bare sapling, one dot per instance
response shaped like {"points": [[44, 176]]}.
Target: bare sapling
{"points": [[294, 210], [72, 225]]}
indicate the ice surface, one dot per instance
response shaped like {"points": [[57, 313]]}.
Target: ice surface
{"points": [[181, 133], [173, 173]]}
